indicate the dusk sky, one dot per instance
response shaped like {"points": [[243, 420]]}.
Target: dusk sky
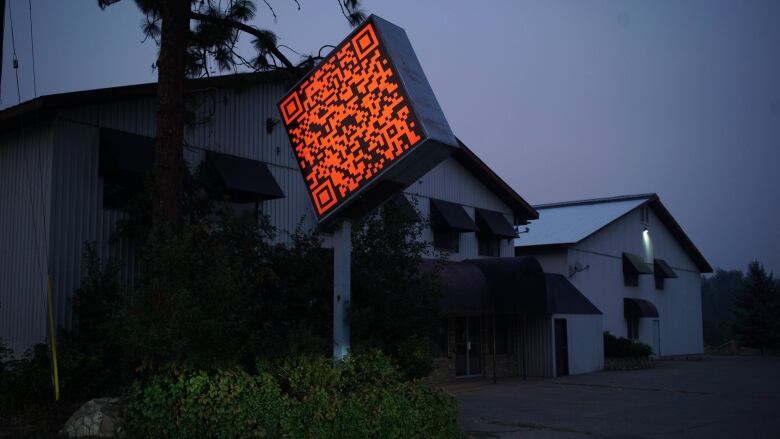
{"points": [[563, 99]]}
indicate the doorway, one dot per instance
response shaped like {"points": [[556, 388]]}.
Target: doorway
{"points": [[561, 348], [468, 346]]}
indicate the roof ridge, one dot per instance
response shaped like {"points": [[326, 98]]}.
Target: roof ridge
{"points": [[649, 195]]}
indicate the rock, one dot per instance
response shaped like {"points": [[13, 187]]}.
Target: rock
{"points": [[101, 417]]}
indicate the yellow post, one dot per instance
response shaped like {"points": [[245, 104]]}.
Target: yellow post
{"points": [[53, 340]]}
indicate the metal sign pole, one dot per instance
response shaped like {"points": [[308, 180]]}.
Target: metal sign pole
{"points": [[342, 288]]}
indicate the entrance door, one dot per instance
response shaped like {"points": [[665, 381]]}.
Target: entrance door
{"points": [[657, 338], [561, 348], [468, 346]]}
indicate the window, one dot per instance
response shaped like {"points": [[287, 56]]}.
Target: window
{"points": [[446, 239], [633, 328], [488, 245], [659, 282]]}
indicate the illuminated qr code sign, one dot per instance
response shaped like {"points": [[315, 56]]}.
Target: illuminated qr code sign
{"points": [[350, 119]]}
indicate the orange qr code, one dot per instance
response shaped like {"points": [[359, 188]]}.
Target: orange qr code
{"points": [[349, 120]]}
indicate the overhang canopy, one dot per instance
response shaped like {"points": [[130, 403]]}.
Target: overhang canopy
{"points": [[404, 207], [494, 223], [663, 270], [248, 179], [517, 285], [634, 264], [125, 154], [566, 298], [451, 216], [638, 308], [465, 287]]}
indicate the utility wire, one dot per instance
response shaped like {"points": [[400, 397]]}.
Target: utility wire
{"points": [[32, 46], [16, 60]]}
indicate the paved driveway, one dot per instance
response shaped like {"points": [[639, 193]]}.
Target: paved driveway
{"points": [[718, 397]]}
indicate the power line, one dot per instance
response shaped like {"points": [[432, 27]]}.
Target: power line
{"points": [[15, 59], [32, 48]]}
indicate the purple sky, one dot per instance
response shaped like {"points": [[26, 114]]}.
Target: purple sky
{"points": [[563, 99]]}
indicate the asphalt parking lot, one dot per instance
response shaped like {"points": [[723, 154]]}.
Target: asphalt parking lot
{"points": [[717, 397]]}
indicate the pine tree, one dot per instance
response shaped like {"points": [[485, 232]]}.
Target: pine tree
{"points": [[189, 34], [757, 308]]}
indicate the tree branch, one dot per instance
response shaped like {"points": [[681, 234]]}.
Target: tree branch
{"points": [[251, 30]]}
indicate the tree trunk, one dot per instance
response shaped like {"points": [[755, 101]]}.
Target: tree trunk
{"points": [[169, 161]]}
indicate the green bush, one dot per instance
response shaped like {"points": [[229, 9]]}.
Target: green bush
{"points": [[297, 397], [619, 347]]}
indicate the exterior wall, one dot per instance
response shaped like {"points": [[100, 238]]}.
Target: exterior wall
{"points": [[25, 170], [585, 342], [230, 121], [536, 347], [450, 181], [555, 260], [679, 303], [78, 216]]}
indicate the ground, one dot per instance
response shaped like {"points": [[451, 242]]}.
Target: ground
{"points": [[717, 397]]}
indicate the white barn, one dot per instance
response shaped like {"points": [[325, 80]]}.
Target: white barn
{"points": [[631, 258], [67, 161]]}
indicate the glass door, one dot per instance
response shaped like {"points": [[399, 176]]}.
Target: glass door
{"points": [[468, 346]]}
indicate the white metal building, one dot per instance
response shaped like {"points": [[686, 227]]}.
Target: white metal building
{"points": [[631, 258], [64, 157]]}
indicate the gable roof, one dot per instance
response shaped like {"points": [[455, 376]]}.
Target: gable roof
{"points": [[567, 223], [523, 211], [47, 105]]}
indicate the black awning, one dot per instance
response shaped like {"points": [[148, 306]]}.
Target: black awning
{"points": [[633, 264], [466, 290], [663, 270], [494, 223], [638, 308], [517, 285], [125, 154], [451, 216], [566, 298], [246, 179], [404, 207]]}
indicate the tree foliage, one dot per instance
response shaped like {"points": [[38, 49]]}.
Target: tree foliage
{"points": [[216, 30], [717, 301], [757, 307], [394, 304]]}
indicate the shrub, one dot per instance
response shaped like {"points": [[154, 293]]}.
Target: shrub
{"points": [[619, 347], [295, 397]]}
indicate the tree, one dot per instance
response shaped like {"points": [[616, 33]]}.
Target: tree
{"points": [[717, 301], [185, 50], [757, 306], [395, 304]]}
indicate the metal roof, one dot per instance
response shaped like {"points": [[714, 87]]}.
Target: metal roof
{"points": [[562, 224], [569, 224]]}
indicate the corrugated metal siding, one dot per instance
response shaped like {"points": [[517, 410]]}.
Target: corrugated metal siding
{"points": [[536, 344], [25, 165], [450, 181], [679, 303], [78, 216], [231, 122]]}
